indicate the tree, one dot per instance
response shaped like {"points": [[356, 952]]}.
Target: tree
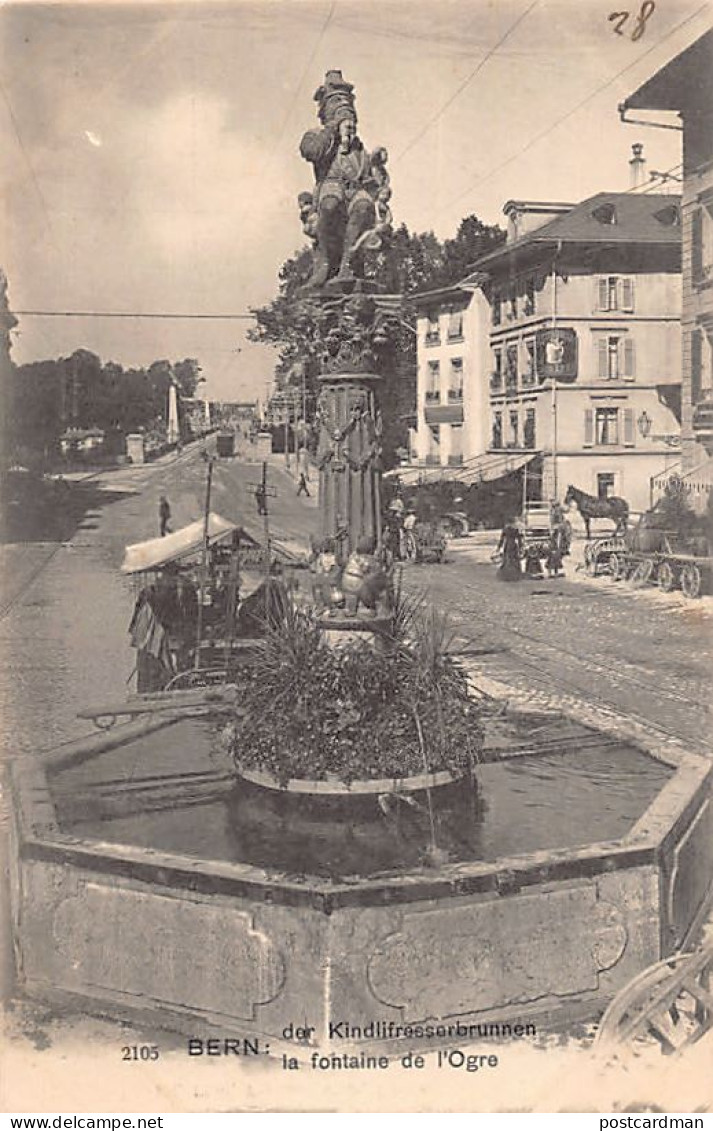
{"points": [[406, 264], [187, 374]]}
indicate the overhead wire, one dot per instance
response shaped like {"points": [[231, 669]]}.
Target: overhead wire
{"points": [[466, 82], [574, 110], [250, 317], [300, 84]]}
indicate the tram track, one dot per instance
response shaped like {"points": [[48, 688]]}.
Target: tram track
{"points": [[588, 662], [552, 670], [8, 606]]}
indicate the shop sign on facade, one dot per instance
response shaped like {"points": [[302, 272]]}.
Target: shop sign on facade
{"points": [[557, 353]]}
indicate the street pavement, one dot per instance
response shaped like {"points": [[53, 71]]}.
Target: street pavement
{"points": [[65, 607], [643, 654], [561, 645], [65, 610]]}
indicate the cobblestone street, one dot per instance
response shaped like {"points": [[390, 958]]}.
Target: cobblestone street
{"points": [[564, 640]]}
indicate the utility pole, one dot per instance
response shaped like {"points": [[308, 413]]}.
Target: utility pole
{"points": [[554, 383], [265, 492]]}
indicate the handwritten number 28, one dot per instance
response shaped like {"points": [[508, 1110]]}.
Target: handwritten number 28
{"points": [[620, 18]]}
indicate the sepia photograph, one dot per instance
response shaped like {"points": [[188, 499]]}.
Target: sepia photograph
{"points": [[356, 559]]}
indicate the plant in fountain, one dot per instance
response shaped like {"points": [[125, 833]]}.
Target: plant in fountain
{"points": [[312, 711]]}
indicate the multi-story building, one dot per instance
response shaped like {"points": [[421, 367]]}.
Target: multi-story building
{"points": [[685, 85], [583, 341], [451, 416]]}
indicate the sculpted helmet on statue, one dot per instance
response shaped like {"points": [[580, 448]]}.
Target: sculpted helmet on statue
{"points": [[348, 209]]}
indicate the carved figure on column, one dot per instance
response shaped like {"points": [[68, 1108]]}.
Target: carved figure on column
{"points": [[348, 210]]}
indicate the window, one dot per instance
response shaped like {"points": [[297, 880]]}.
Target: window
{"points": [[614, 293], [529, 297], [701, 366], [455, 391], [514, 430], [433, 392], [456, 452], [605, 213], [606, 482], [496, 377], [617, 360], [497, 430], [434, 448], [433, 331], [528, 432], [512, 307], [702, 244], [606, 426], [670, 216], [455, 326], [497, 309], [511, 367], [529, 376]]}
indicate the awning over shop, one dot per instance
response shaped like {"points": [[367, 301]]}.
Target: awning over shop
{"points": [[158, 552], [481, 469]]}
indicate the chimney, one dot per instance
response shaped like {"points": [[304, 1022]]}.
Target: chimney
{"points": [[637, 165]]}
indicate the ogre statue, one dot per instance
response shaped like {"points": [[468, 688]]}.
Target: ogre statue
{"points": [[348, 210]]}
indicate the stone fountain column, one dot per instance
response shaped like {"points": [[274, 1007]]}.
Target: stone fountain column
{"points": [[348, 460]]}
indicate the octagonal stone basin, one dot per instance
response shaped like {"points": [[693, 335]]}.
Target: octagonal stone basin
{"points": [[148, 882]]}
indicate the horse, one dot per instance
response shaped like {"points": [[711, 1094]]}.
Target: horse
{"points": [[591, 507]]}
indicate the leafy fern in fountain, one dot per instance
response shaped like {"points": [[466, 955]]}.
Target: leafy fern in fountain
{"points": [[308, 710]]}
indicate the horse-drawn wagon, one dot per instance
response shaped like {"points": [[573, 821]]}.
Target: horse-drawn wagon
{"points": [[664, 558], [424, 542]]}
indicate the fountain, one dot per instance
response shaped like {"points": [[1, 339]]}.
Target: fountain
{"points": [[150, 880]]}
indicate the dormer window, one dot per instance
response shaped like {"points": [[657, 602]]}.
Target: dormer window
{"points": [[605, 214], [670, 216]]}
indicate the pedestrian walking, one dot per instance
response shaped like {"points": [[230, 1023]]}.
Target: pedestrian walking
{"points": [[261, 500], [510, 546], [164, 516], [302, 488]]}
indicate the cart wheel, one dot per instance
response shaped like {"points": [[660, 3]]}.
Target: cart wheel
{"points": [[666, 578], [104, 722], [591, 561], [691, 580], [641, 574], [617, 567]]}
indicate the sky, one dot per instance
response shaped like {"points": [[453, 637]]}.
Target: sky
{"points": [[151, 150]]}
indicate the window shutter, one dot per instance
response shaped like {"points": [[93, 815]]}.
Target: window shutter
{"points": [[589, 426], [696, 365], [629, 426], [629, 359], [697, 243], [627, 294], [602, 352], [601, 296]]}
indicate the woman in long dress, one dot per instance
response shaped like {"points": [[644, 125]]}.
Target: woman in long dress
{"points": [[510, 545]]}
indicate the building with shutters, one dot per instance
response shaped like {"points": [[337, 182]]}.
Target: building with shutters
{"points": [[685, 86], [579, 312], [450, 402]]}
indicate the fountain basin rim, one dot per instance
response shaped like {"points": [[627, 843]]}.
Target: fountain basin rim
{"points": [[335, 787]]}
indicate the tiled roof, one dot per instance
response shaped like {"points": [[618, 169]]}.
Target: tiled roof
{"points": [[607, 218], [684, 83]]}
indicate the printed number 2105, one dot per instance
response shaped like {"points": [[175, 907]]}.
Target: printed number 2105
{"points": [[139, 1052], [620, 18]]}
